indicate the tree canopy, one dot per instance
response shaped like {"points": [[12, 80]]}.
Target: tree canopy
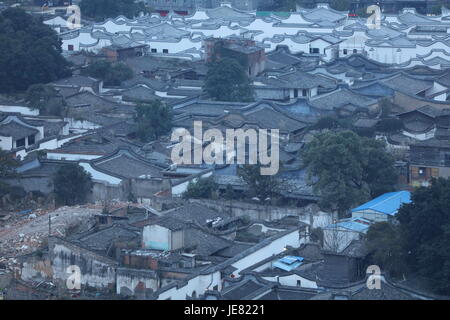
{"points": [[425, 230], [46, 99], [418, 244], [385, 247], [260, 186], [30, 52], [203, 188], [7, 165], [154, 120], [112, 74], [102, 9], [226, 80], [346, 169], [72, 185]]}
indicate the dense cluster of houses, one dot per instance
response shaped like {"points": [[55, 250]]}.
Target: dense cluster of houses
{"points": [[406, 39], [302, 67]]}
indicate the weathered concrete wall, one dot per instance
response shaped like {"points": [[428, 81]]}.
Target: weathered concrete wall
{"points": [[135, 281], [145, 188], [96, 271], [36, 269], [192, 287], [309, 214], [43, 184]]}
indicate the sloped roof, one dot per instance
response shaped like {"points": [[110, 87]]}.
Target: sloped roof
{"points": [[16, 130], [387, 203], [125, 163]]}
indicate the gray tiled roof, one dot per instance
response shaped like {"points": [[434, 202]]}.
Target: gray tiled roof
{"points": [[407, 84], [101, 240], [128, 165], [339, 98], [16, 130], [193, 212]]}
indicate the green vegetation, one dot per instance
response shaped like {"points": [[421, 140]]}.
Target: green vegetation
{"points": [[226, 80], [390, 125], [102, 9], [72, 185], [7, 170], [346, 169], [112, 74], [154, 120], [203, 188], [30, 52], [260, 186], [419, 244], [46, 99]]}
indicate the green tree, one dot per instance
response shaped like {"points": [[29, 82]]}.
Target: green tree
{"points": [[346, 169], [261, 186], [390, 125], [102, 9], [112, 74], [72, 185], [379, 170], [327, 122], [154, 120], [7, 165], [384, 243], [203, 188], [46, 99], [226, 80], [229, 193], [425, 230], [30, 52], [7, 170]]}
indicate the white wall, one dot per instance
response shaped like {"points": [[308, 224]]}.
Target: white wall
{"points": [[70, 156], [198, 284], [20, 109], [273, 248], [291, 280]]}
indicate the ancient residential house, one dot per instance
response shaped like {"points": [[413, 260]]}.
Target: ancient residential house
{"points": [[429, 159], [243, 50], [16, 132]]}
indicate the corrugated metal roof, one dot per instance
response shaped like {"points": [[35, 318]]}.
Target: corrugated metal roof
{"points": [[288, 263], [387, 203]]}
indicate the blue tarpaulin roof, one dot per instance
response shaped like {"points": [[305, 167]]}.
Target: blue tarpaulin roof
{"points": [[354, 224], [288, 263], [387, 203]]}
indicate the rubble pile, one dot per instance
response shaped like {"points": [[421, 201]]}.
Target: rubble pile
{"points": [[26, 234]]}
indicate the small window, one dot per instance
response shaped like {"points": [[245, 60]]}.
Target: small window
{"points": [[154, 51], [299, 283], [304, 92], [31, 140], [345, 51], [165, 50], [355, 51], [70, 47], [20, 143], [422, 171]]}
